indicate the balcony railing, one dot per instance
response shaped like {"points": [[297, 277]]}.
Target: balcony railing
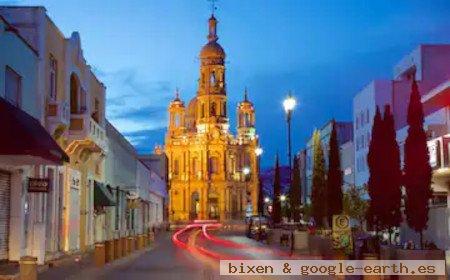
{"points": [[82, 126]]}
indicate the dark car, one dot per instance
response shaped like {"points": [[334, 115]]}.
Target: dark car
{"points": [[258, 227]]}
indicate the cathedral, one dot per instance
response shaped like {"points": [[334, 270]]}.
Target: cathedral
{"points": [[212, 173]]}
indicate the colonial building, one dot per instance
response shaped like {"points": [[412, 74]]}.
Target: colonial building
{"points": [[212, 173]]}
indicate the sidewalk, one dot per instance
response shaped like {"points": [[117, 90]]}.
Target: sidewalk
{"points": [[84, 267]]}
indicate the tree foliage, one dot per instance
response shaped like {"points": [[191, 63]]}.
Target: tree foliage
{"points": [[417, 169], [334, 177], [354, 204], [318, 195], [375, 163], [391, 174]]}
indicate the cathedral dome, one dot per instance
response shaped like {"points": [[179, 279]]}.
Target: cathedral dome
{"points": [[212, 50]]}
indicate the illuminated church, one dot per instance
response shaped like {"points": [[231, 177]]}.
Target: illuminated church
{"points": [[213, 174]]}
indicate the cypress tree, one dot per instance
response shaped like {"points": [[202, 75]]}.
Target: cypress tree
{"points": [[391, 174], [374, 162], [295, 191], [318, 195], [334, 177], [417, 169], [276, 207]]}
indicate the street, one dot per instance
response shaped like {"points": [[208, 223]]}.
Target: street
{"points": [[193, 254]]}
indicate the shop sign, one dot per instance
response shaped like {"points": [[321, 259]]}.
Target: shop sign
{"points": [[38, 184]]}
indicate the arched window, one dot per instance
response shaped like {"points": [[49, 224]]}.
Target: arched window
{"points": [[53, 84], [213, 109], [224, 109], [247, 120], [212, 79], [213, 165], [177, 120], [202, 110], [176, 167]]}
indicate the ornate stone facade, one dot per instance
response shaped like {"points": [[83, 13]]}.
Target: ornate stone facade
{"points": [[212, 173]]}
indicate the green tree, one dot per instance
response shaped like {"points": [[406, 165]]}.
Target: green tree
{"points": [[354, 204], [319, 184], [417, 169], [334, 177], [295, 191]]}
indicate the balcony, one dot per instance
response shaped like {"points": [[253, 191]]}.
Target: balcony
{"points": [[83, 127], [57, 115]]}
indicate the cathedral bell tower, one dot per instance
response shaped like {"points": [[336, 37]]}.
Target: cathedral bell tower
{"points": [[246, 119], [176, 116], [211, 94]]}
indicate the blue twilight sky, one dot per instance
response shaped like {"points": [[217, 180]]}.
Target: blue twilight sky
{"points": [[325, 51]]}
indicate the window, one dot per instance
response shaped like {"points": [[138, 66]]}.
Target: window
{"points": [[213, 165], [357, 122], [53, 84], [13, 87], [224, 109], [176, 167], [367, 115], [213, 109], [203, 110], [212, 79]]}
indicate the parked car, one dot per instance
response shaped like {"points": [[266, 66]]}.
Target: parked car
{"points": [[259, 227]]}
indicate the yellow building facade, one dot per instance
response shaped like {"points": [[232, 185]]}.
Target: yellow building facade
{"points": [[213, 174]]}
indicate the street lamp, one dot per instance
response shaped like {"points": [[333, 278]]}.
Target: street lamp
{"points": [[246, 171], [266, 200], [289, 104], [282, 197], [258, 151]]}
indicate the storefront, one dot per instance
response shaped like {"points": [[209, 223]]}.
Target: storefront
{"points": [[26, 151]]}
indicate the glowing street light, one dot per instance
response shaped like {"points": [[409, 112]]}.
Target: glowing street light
{"points": [[258, 151], [266, 200], [246, 170], [289, 104], [282, 197]]}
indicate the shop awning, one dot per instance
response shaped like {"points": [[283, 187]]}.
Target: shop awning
{"points": [[24, 140], [102, 196]]}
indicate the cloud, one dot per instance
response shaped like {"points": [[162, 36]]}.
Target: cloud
{"points": [[143, 114], [145, 140]]}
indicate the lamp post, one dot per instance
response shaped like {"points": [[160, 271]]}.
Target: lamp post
{"points": [[289, 104], [259, 194], [246, 172]]}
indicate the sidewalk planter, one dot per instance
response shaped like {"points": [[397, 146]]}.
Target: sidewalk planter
{"points": [[99, 254], [130, 244], [403, 254], [124, 242], [300, 240], [28, 268], [109, 250], [117, 248], [141, 241]]}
